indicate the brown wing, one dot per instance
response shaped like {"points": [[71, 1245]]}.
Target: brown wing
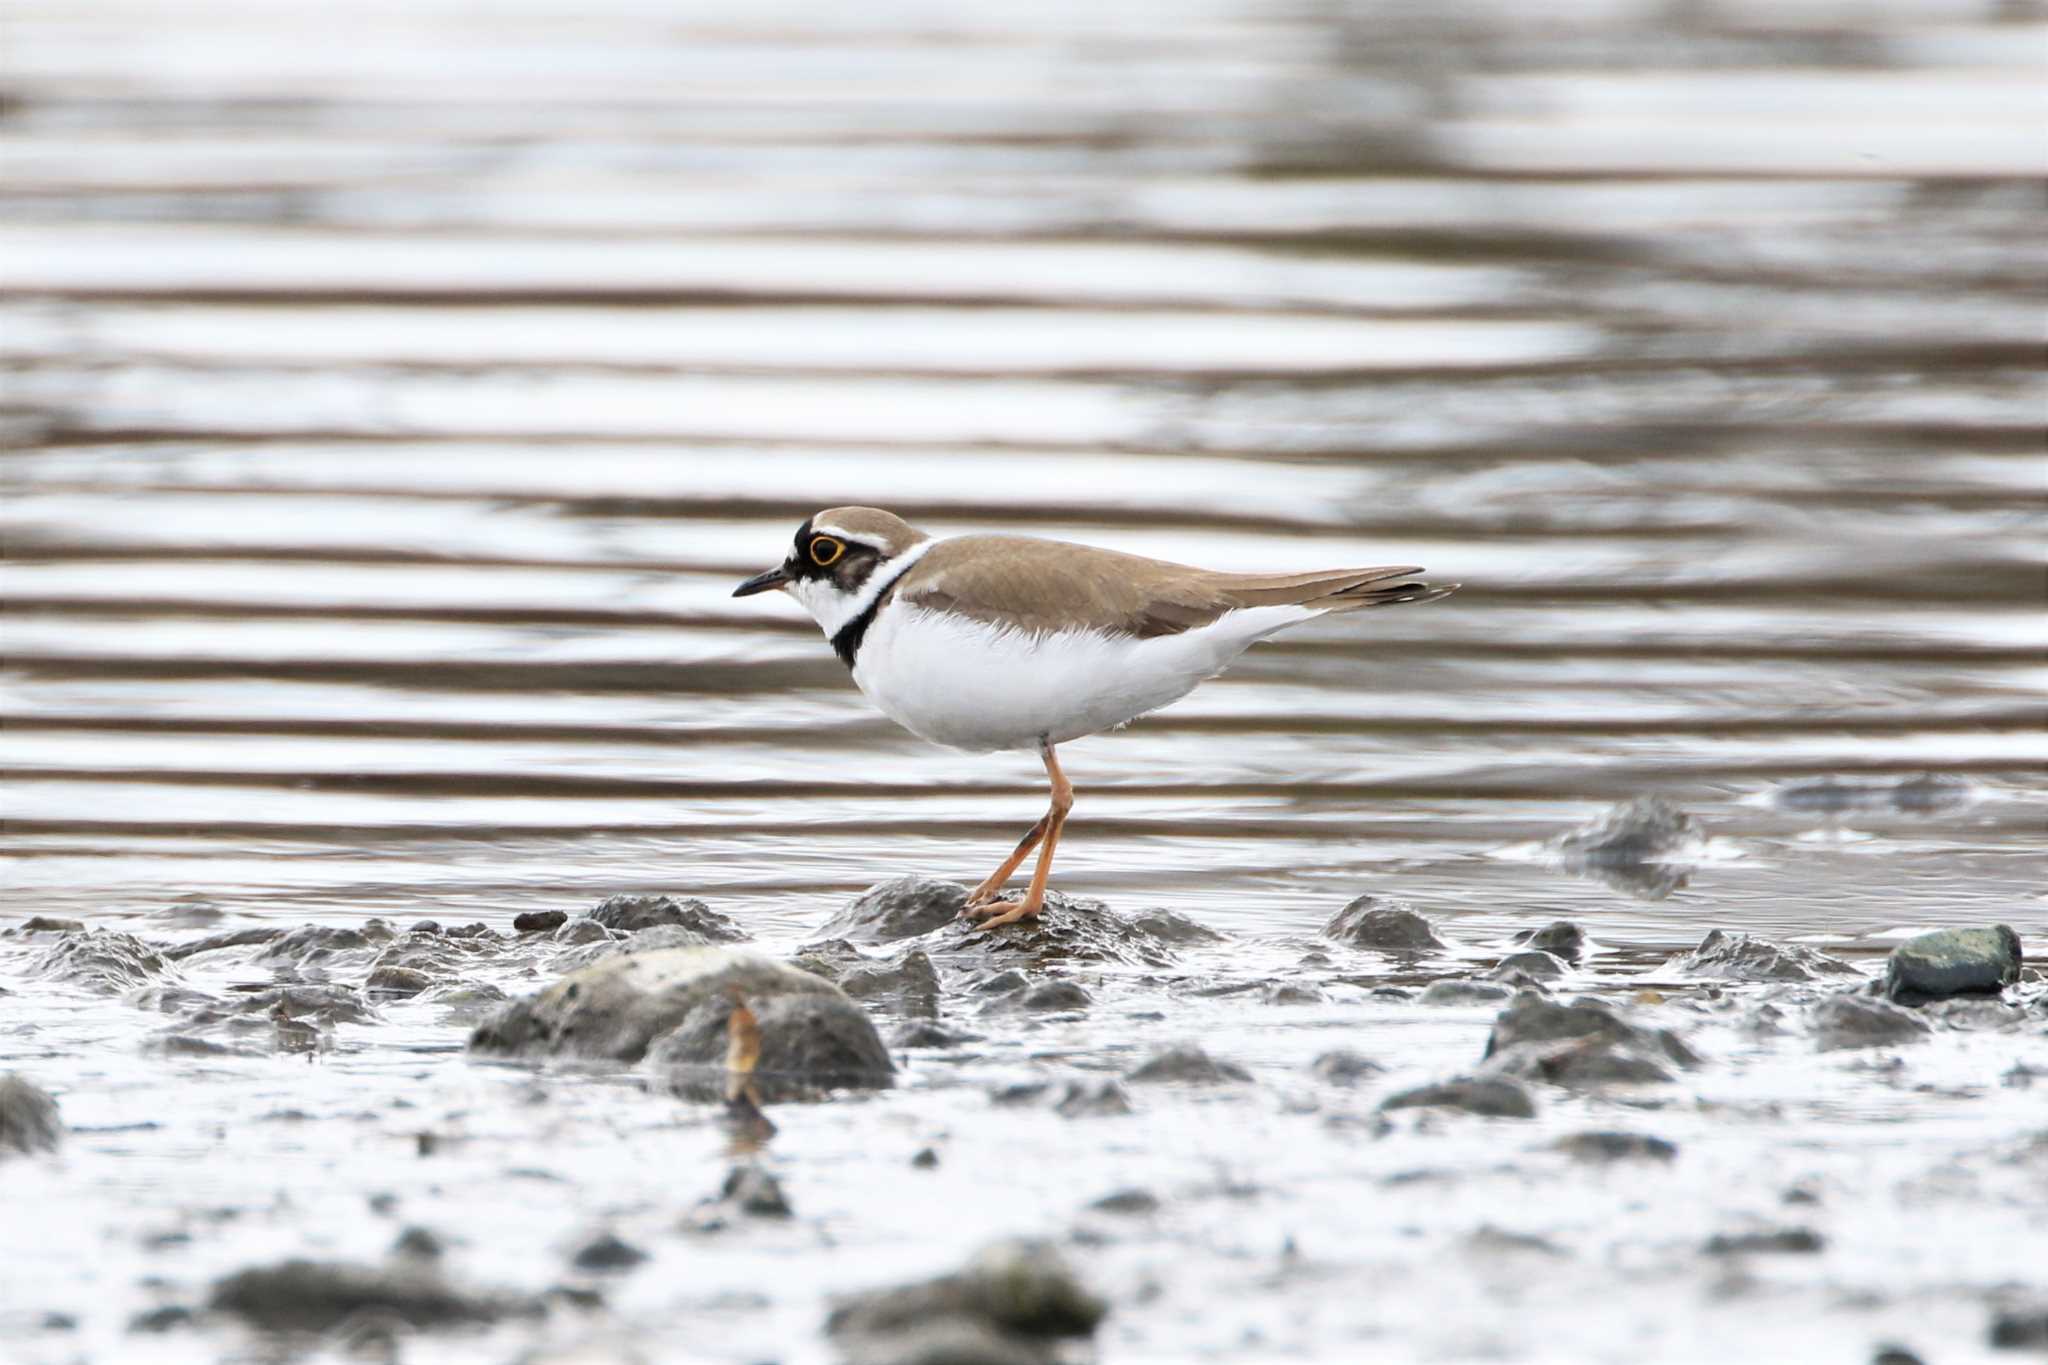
{"points": [[1047, 585]]}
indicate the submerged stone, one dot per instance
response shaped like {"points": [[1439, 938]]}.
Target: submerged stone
{"points": [[903, 907], [1560, 937], [1582, 1044], [812, 1036], [909, 984], [1846, 1021], [1342, 1066], [1613, 1146], [1535, 963], [1647, 829], [236, 938], [28, 1117], [1022, 1290], [1387, 926], [607, 1252], [1775, 1242], [1643, 847], [316, 1296], [1738, 957], [1951, 962], [102, 959], [631, 914], [1462, 993], [1488, 1096], [1186, 1064], [1073, 929], [1103, 1099]]}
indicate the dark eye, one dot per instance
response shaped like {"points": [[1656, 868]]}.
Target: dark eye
{"points": [[825, 551]]}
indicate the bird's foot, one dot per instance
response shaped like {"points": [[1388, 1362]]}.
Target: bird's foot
{"points": [[995, 914]]}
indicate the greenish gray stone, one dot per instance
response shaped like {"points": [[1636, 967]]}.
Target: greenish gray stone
{"points": [[1953, 962]]}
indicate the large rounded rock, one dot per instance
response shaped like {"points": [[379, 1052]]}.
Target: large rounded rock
{"points": [[1389, 926], [1953, 962], [901, 908], [631, 914], [103, 960], [28, 1117], [811, 1043], [812, 1035]]}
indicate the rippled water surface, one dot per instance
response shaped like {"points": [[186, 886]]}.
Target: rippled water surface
{"points": [[396, 392]]}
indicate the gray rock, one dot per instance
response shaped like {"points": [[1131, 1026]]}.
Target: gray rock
{"points": [[403, 982], [631, 914], [1291, 993], [539, 921], [1172, 927], [1643, 847], [578, 933], [1921, 794], [317, 1296], [944, 1341], [621, 1005], [909, 984], [1613, 1146], [420, 1244], [607, 1252], [2020, 1329], [1103, 1099], [161, 1319], [904, 907], [930, 1033], [317, 944], [1073, 929], [1580, 1064], [654, 940], [50, 924], [1534, 963], [1738, 957], [1386, 926], [1533, 1019], [1021, 1290], [1775, 1242], [1462, 993], [812, 1043], [1560, 937], [1186, 1065], [1951, 962], [1046, 997], [103, 960], [1647, 829], [1342, 1066], [755, 1193], [28, 1117], [1846, 1021], [1491, 1097], [235, 938], [1127, 1201]]}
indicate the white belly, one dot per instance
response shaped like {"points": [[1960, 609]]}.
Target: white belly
{"points": [[967, 685]]}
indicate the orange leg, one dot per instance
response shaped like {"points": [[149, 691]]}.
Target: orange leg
{"points": [[1045, 836]]}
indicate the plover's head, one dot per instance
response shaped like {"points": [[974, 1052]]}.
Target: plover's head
{"points": [[833, 566]]}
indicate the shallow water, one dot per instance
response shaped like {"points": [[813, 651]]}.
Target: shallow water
{"points": [[394, 401]]}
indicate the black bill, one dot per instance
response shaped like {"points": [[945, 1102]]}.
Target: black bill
{"points": [[761, 582]]}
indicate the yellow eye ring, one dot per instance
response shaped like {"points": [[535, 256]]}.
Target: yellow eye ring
{"points": [[825, 551]]}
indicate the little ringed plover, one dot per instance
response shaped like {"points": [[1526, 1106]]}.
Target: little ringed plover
{"points": [[987, 642]]}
